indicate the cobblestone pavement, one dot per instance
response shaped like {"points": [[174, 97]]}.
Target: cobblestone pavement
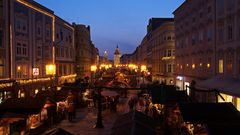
{"points": [[86, 118]]}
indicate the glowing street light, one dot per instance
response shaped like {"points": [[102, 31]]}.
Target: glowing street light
{"points": [[143, 68], [93, 68], [50, 69]]}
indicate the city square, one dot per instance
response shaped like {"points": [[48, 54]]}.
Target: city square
{"points": [[119, 67]]}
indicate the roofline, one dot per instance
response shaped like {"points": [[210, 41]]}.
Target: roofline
{"points": [[34, 3], [67, 23], [180, 6]]}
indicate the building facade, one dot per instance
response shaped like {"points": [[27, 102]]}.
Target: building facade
{"points": [[156, 50], [64, 51], [30, 35], [163, 48], [195, 42], [30, 39], [207, 47], [86, 53]]}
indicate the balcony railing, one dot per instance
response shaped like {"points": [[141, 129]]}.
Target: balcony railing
{"points": [[168, 58]]}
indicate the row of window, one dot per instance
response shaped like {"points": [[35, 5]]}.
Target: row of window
{"points": [[64, 69], [163, 39], [194, 66], [60, 36], [21, 25], [195, 39], [22, 70], [39, 31], [64, 52], [169, 53], [228, 65], [230, 32], [192, 14], [223, 5]]}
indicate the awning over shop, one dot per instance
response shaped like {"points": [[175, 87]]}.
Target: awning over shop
{"points": [[227, 85], [163, 94], [202, 113], [133, 123]]}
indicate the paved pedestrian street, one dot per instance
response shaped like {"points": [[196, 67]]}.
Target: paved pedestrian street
{"points": [[86, 118]]}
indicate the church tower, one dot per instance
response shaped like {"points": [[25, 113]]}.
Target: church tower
{"points": [[105, 57], [117, 56]]}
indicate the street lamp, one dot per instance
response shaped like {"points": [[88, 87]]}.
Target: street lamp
{"points": [[99, 123], [93, 69], [51, 70]]}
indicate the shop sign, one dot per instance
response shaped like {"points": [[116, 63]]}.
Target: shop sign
{"points": [[36, 71]]}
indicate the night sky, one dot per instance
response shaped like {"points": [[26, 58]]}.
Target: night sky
{"points": [[113, 22]]}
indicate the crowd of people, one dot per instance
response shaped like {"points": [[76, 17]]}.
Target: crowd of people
{"points": [[143, 104]]}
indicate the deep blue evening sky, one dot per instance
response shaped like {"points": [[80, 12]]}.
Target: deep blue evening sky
{"points": [[113, 22]]}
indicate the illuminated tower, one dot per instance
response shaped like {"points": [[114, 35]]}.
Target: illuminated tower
{"points": [[105, 57], [117, 56]]}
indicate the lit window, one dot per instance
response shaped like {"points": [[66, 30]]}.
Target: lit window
{"points": [[220, 66], [193, 66], [169, 68], [208, 65]]}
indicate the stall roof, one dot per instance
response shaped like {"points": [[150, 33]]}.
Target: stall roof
{"points": [[58, 131], [227, 128], [133, 123], [163, 94], [23, 106], [224, 84], [209, 112]]}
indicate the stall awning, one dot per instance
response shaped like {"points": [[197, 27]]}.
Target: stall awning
{"points": [[163, 94], [23, 106], [201, 113], [133, 123], [227, 85], [226, 128]]}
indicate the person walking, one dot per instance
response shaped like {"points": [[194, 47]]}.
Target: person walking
{"points": [[70, 112], [131, 104]]}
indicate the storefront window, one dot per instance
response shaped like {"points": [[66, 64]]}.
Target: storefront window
{"points": [[21, 94], [226, 97]]}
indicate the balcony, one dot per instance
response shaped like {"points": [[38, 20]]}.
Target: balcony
{"points": [[168, 58]]}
